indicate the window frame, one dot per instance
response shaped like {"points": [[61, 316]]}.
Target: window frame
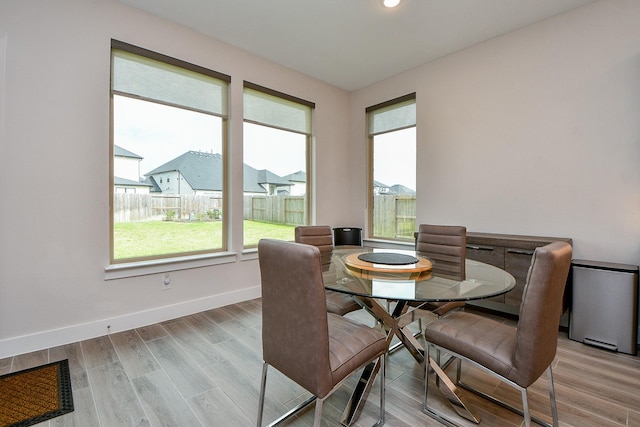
{"points": [[370, 111], [308, 140], [117, 45]]}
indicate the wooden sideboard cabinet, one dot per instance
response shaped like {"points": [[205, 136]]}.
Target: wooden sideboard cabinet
{"points": [[511, 253]]}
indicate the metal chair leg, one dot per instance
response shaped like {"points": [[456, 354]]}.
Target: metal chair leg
{"points": [[512, 408], [383, 389], [284, 417], [318, 414], [263, 383], [438, 362], [552, 398], [426, 377], [525, 412], [525, 408]]}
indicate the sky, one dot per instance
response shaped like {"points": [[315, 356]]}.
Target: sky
{"points": [[394, 159], [152, 131], [279, 151], [159, 133]]}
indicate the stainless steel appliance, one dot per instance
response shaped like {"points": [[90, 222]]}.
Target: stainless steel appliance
{"points": [[604, 309]]}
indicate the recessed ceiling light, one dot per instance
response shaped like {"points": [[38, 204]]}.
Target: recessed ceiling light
{"points": [[390, 3]]}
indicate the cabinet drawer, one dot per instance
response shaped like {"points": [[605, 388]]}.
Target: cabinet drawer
{"points": [[517, 262], [493, 255], [511, 253]]}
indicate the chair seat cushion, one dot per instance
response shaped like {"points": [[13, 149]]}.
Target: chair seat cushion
{"points": [[340, 303], [351, 345], [486, 341]]}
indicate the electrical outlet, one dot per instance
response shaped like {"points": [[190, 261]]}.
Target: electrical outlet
{"points": [[166, 282]]}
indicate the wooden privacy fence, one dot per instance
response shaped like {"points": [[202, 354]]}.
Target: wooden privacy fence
{"points": [[394, 216], [291, 210], [130, 207]]}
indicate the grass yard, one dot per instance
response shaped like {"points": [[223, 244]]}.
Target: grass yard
{"points": [[153, 238]]}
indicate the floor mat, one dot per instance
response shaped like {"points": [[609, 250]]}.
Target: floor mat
{"points": [[35, 395]]}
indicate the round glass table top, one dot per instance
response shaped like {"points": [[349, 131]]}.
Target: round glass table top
{"points": [[407, 282]]}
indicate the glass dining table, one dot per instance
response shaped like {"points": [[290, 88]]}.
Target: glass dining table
{"points": [[385, 281]]}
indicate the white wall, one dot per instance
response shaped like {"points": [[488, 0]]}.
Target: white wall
{"points": [[54, 100], [127, 168], [536, 132]]}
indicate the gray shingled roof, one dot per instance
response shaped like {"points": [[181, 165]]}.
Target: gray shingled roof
{"points": [[296, 177], [121, 152], [250, 179], [400, 189], [123, 181], [267, 177], [155, 188], [203, 171]]}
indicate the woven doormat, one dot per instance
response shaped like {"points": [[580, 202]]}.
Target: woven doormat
{"points": [[35, 395]]}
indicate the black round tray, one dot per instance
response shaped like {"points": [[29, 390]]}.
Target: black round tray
{"points": [[388, 258]]}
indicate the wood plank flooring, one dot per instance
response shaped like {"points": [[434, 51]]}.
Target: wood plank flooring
{"points": [[204, 370]]}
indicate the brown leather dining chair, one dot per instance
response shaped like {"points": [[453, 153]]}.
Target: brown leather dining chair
{"points": [[517, 355], [317, 235], [316, 349], [446, 246], [321, 237]]}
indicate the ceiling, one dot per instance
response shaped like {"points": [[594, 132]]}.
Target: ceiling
{"points": [[354, 43]]}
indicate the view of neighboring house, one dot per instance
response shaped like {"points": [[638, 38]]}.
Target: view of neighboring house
{"points": [[273, 184], [380, 188], [401, 190], [126, 171], [198, 173], [193, 172], [394, 190], [299, 181]]}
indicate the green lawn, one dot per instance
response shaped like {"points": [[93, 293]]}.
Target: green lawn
{"points": [[140, 239]]}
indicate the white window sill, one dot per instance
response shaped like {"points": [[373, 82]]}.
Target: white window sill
{"points": [[163, 265], [249, 254]]}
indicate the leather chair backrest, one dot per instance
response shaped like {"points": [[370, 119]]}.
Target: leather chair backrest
{"points": [[295, 334], [446, 246], [316, 235], [540, 311]]}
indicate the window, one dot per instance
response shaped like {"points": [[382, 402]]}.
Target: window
{"points": [[169, 125], [276, 146], [392, 147]]}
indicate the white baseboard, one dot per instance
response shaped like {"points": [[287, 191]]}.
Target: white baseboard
{"points": [[61, 336]]}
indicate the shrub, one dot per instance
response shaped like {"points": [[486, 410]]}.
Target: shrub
{"points": [[214, 214]]}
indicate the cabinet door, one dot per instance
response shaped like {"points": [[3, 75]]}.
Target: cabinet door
{"points": [[493, 255], [517, 262]]}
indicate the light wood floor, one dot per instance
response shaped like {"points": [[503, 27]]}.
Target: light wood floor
{"points": [[204, 370]]}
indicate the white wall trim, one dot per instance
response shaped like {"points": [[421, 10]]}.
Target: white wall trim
{"points": [[163, 265], [61, 336]]}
